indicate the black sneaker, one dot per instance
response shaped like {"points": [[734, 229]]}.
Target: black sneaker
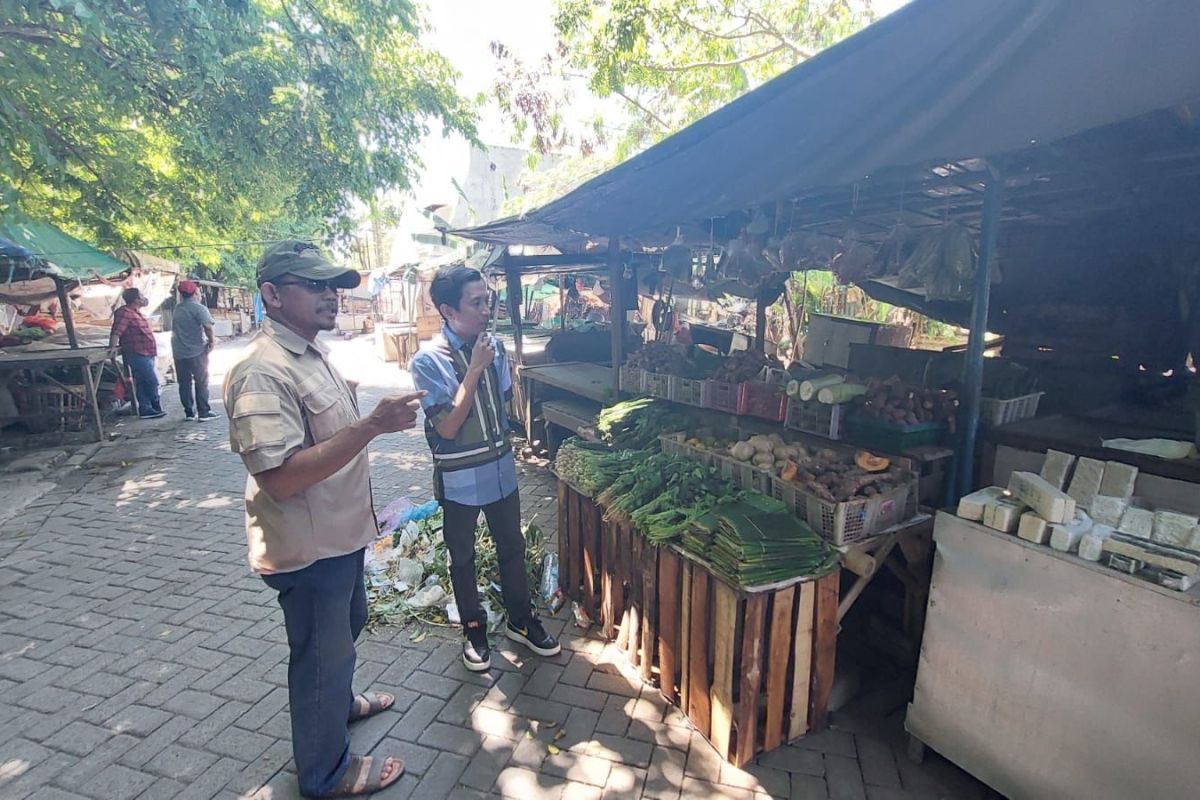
{"points": [[206, 416], [189, 417], [531, 634], [153, 415], [477, 652]]}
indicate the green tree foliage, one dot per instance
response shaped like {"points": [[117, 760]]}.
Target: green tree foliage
{"points": [[164, 122], [669, 62]]}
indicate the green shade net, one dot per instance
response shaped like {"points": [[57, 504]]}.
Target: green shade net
{"points": [[69, 258]]}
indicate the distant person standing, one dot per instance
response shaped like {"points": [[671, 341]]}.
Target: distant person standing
{"points": [[192, 340], [131, 334]]}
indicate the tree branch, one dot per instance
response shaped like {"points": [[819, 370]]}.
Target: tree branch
{"points": [[659, 120], [713, 64]]}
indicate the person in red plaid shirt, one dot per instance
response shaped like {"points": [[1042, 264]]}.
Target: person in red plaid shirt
{"points": [[131, 332]]}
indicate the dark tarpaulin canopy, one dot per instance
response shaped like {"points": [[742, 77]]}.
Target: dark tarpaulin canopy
{"points": [[938, 80]]}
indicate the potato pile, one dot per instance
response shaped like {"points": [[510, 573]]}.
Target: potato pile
{"points": [[829, 474], [893, 402]]}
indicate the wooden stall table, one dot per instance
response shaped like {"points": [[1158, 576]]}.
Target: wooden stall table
{"points": [[88, 360], [906, 550], [751, 667], [584, 380]]}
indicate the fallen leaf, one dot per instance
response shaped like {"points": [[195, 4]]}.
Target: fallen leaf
{"points": [[550, 724], [553, 749], [560, 734], [419, 636], [528, 734]]}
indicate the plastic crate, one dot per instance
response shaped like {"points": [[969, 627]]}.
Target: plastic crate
{"points": [[874, 434], [721, 396], [846, 523], [658, 385], [686, 391], [633, 380], [763, 400], [994, 413], [675, 444], [821, 419], [745, 475]]}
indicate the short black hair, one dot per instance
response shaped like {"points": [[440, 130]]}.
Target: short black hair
{"points": [[130, 294], [448, 283]]}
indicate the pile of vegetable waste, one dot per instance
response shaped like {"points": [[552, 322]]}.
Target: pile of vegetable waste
{"points": [[408, 574]]}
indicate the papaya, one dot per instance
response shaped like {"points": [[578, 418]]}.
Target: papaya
{"points": [[870, 462]]}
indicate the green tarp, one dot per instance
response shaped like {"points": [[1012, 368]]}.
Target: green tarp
{"points": [[67, 256]]}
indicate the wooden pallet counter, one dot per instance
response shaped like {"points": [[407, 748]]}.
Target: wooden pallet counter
{"points": [[752, 668]]}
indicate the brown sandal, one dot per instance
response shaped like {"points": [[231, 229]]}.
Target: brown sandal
{"points": [[365, 776], [374, 701]]}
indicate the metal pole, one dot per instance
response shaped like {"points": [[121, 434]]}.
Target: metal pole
{"points": [[760, 321], [973, 370], [616, 278]]}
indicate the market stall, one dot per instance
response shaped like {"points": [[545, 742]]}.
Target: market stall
{"points": [[945, 173], [52, 382]]}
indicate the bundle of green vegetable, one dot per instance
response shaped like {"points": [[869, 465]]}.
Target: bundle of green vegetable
{"points": [[755, 541], [637, 424], [592, 468]]}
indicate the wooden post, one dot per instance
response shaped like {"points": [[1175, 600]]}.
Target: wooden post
{"points": [[64, 303], [684, 656], [699, 708], [616, 278], [824, 649], [649, 570], [751, 683], [668, 622], [777, 664], [724, 629], [802, 671]]}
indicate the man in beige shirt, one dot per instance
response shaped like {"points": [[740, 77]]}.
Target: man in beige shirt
{"points": [[295, 423]]}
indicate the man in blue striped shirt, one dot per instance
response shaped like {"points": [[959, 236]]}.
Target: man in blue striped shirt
{"points": [[466, 376]]}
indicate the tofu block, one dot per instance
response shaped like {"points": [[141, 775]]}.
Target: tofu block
{"points": [[1033, 528], [1065, 537], [1085, 484], [1057, 468], [1003, 514], [1109, 510], [1052, 505], [971, 506], [1173, 528], [1118, 480], [1091, 545], [1137, 522]]}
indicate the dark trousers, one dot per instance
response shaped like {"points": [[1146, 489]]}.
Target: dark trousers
{"points": [[187, 372], [324, 609], [145, 382], [504, 524]]}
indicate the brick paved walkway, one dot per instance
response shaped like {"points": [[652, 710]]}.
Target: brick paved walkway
{"points": [[139, 658]]}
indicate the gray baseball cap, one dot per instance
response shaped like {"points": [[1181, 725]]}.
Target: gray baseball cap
{"points": [[304, 260]]}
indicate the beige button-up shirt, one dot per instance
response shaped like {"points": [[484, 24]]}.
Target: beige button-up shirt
{"points": [[281, 396]]}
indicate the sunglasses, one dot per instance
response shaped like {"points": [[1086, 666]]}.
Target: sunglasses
{"points": [[314, 286]]}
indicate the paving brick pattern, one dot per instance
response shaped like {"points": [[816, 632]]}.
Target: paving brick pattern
{"points": [[139, 658]]}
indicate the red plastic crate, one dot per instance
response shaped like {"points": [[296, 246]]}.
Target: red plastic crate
{"points": [[765, 400]]}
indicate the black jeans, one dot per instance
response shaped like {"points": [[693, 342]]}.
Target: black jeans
{"points": [[187, 371], [504, 524], [324, 610]]}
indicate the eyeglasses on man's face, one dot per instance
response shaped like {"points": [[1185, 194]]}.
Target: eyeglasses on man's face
{"points": [[314, 286]]}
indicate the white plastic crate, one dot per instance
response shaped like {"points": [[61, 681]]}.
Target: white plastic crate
{"points": [[994, 413], [821, 419], [675, 444], [846, 523], [685, 390]]}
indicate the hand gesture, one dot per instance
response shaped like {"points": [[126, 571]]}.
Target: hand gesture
{"points": [[397, 412], [483, 353]]}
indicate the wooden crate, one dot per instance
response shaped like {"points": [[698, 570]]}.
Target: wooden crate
{"points": [[752, 669], [579, 521]]}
